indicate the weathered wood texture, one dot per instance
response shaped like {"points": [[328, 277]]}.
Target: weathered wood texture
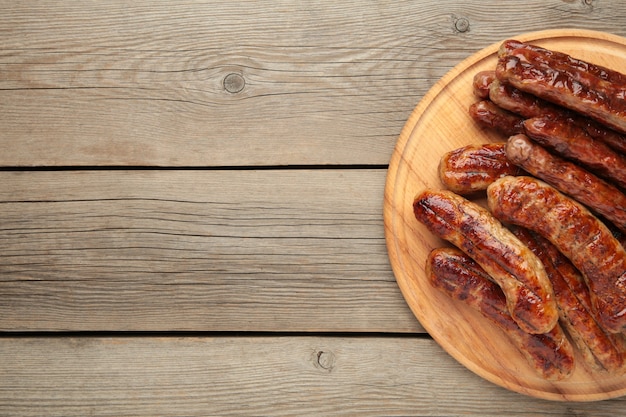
{"points": [[267, 376], [227, 84], [234, 83], [272, 250]]}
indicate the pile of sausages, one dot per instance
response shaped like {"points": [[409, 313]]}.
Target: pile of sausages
{"points": [[545, 260]]}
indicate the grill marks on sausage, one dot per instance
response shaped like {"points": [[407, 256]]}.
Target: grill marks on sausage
{"points": [[565, 120], [574, 143], [461, 278], [508, 261], [580, 87], [580, 184], [473, 167], [601, 350], [576, 232]]}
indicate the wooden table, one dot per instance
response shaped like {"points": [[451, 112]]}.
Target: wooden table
{"points": [[191, 205]]}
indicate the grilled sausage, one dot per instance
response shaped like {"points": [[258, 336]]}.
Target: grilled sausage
{"points": [[601, 350], [518, 102], [512, 265], [569, 178], [573, 87], [472, 168], [481, 82], [528, 106], [488, 115], [576, 232], [571, 142], [458, 276], [566, 62]]}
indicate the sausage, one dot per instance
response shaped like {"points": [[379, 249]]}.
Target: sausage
{"points": [[488, 115], [472, 168], [481, 82], [576, 232], [528, 106], [481, 236], [518, 102], [462, 279], [597, 194], [601, 350], [574, 143], [571, 87], [600, 132], [565, 61]]}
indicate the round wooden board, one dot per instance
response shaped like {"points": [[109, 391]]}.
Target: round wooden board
{"points": [[438, 124]]}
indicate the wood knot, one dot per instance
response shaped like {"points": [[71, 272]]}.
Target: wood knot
{"points": [[461, 25], [325, 360], [234, 83]]}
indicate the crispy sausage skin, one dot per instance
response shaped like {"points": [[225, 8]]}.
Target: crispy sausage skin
{"points": [[462, 279], [528, 106], [566, 62], [572, 142], [472, 168], [481, 82], [574, 87], [597, 194], [512, 265], [488, 115], [601, 350], [576, 232], [518, 102]]}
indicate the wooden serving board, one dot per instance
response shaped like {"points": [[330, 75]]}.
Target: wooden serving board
{"points": [[438, 124]]}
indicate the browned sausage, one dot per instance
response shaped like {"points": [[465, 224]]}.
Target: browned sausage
{"points": [[528, 106], [575, 67], [481, 82], [512, 265], [518, 102], [576, 232], [489, 115], [472, 168], [601, 350], [571, 142], [570, 87], [569, 178], [457, 275]]}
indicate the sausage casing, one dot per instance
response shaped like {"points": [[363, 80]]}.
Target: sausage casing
{"points": [[576, 232], [573, 87], [573, 142], [481, 82], [472, 168], [508, 261], [462, 279], [601, 350], [489, 115], [569, 178]]}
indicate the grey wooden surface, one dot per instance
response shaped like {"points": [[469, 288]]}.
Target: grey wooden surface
{"points": [[191, 205]]}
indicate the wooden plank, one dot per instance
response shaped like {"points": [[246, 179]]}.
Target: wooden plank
{"points": [[223, 83], [226, 376], [272, 250]]}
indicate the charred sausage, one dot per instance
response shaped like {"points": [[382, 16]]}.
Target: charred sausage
{"points": [[601, 350], [597, 194], [576, 232], [573, 87], [472, 168], [572, 142], [462, 279], [512, 265]]}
